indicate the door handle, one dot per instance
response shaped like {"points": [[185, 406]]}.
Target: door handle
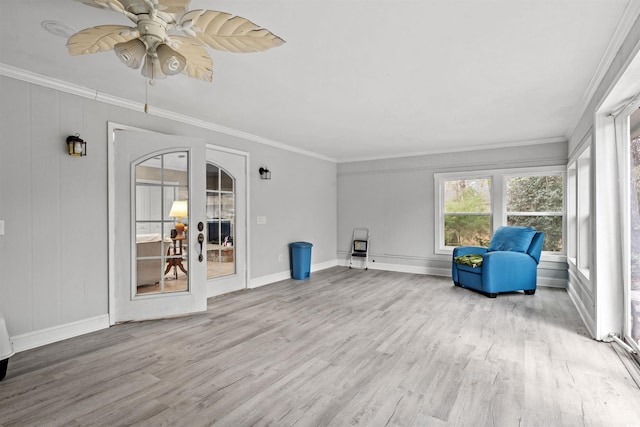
{"points": [[200, 241]]}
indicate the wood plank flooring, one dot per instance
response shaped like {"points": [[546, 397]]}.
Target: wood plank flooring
{"points": [[346, 347]]}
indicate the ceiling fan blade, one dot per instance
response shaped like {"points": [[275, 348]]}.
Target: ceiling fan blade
{"points": [[98, 39], [104, 4], [199, 64], [175, 7], [226, 32]]}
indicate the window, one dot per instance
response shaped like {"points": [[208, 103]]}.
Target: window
{"points": [[578, 211], [633, 248], [467, 212], [583, 213], [537, 201], [571, 216], [472, 205]]}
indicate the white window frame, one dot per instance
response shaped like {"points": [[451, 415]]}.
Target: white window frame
{"points": [[579, 211], [571, 209], [498, 201], [439, 179], [555, 256]]}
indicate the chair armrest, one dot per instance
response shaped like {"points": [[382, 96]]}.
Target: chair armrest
{"points": [[466, 250], [498, 262]]}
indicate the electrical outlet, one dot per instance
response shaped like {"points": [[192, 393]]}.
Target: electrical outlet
{"points": [[261, 220]]}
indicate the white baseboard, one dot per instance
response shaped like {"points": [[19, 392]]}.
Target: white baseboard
{"points": [[324, 265], [58, 333], [284, 275], [445, 272], [589, 322], [403, 268], [271, 278], [551, 282]]}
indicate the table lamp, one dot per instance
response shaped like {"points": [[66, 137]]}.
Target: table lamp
{"points": [[179, 209]]}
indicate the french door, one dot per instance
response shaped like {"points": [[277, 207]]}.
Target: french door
{"points": [[226, 212], [628, 139], [159, 226]]}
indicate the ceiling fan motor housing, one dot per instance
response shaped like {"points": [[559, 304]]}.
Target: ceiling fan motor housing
{"points": [[152, 32]]}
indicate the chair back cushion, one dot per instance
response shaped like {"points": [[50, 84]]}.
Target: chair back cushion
{"points": [[535, 250], [512, 238]]}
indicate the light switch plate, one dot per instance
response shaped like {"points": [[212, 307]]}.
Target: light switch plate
{"points": [[2, 227], [262, 220]]}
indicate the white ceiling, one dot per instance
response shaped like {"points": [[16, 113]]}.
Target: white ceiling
{"points": [[363, 79]]}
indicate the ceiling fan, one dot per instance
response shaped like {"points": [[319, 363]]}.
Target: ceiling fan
{"points": [[168, 39]]}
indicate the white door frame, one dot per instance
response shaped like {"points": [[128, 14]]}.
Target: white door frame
{"points": [[111, 197]]}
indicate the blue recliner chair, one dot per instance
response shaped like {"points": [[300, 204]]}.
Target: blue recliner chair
{"points": [[510, 262]]}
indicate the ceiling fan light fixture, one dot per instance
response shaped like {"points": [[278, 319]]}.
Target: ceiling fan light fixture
{"points": [[151, 68], [131, 53], [171, 62], [152, 42]]}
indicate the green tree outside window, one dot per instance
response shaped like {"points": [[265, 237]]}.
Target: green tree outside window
{"points": [[537, 201], [467, 217]]}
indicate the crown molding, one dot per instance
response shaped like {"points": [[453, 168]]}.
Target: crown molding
{"points": [[66, 87], [628, 18], [448, 149]]}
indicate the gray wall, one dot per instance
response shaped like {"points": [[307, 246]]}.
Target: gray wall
{"points": [[394, 198], [54, 249]]}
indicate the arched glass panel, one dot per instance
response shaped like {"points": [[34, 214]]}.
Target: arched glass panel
{"points": [[220, 222]]}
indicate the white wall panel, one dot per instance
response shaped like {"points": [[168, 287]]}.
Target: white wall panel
{"points": [[16, 292], [45, 197]]}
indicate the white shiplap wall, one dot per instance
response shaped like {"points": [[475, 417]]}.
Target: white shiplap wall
{"points": [[54, 282]]}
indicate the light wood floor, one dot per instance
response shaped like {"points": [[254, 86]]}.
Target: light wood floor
{"points": [[346, 347], [171, 284]]}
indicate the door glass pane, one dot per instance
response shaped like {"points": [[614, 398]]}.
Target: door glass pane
{"points": [[220, 223], [161, 218], [226, 182], [634, 216]]}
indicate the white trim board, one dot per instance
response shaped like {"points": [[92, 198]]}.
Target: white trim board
{"points": [[403, 268], [285, 275], [58, 333], [588, 321]]}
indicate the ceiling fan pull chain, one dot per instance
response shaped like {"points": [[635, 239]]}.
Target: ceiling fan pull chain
{"points": [[146, 97]]}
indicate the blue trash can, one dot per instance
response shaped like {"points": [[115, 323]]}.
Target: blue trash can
{"points": [[300, 260]]}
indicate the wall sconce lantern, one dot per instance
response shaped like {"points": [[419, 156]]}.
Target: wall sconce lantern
{"points": [[77, 146], [264, 173]]}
